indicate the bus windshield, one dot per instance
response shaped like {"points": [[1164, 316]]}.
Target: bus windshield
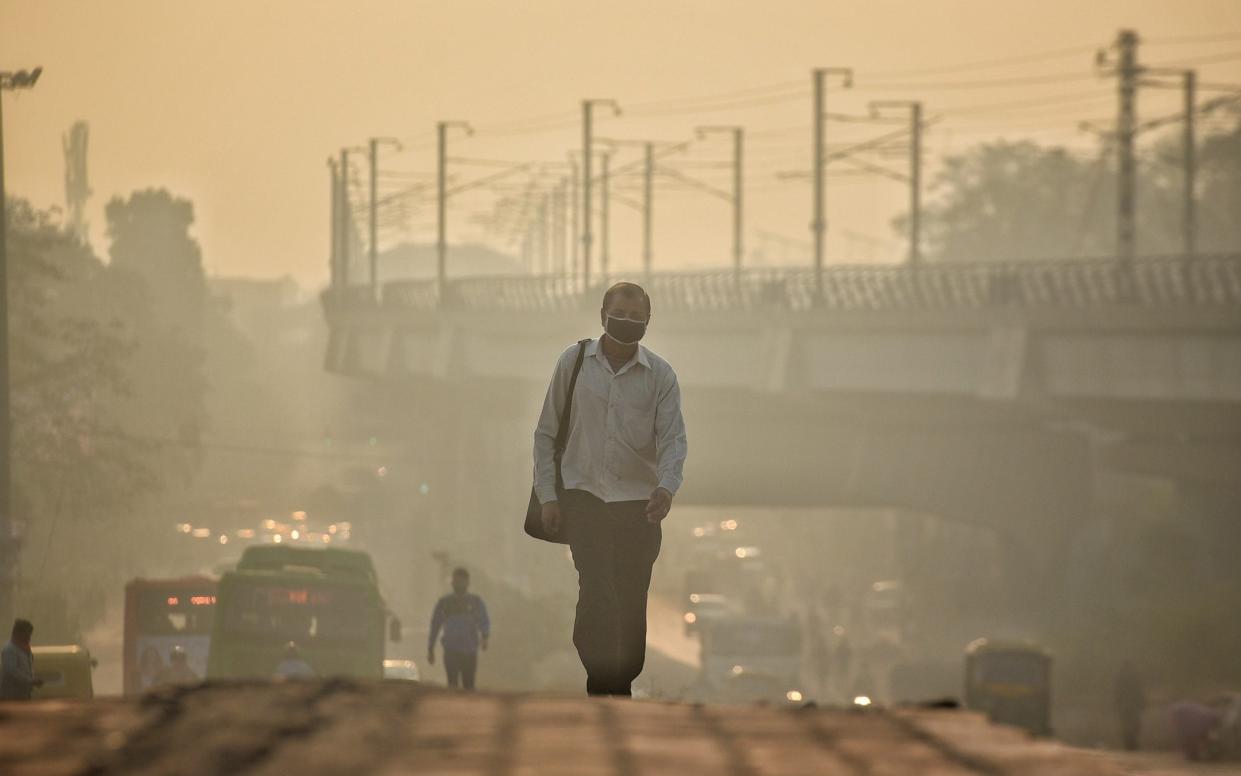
{"points": [[754, 640], [297, 613], [1012, 668]]}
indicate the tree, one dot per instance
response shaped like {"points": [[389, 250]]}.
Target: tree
{"points": [[1019, 200], [153, 251], [1003, 201], [74, 467]]}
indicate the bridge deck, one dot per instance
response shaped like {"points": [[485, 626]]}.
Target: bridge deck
{"points": [[344, 727], [1077, 284]]}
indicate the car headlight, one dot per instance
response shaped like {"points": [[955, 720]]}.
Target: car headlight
{"points": [[793, 696]]}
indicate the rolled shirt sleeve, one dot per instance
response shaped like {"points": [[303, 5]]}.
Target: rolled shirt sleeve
{"points": [[545, 431], [670, 441]]}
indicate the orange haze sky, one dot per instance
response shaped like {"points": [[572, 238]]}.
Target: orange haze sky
{"points": [[237, 105]]}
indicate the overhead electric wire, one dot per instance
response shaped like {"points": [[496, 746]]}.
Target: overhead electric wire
{"points": [[985, 83], [1211, 60], [983, 63], [717, 97], [755, 102], [1216, 37], [1026, 103]]}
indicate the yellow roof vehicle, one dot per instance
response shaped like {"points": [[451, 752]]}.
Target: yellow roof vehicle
{"points": [[65, 671], [1011, 682]]}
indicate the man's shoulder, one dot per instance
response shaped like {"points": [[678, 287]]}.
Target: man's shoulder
{"points": [[659, 364], [570, 352]]}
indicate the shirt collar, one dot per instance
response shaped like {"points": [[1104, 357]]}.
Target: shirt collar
{"points": [[595, 348]]}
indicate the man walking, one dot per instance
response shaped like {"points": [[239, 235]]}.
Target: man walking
{"points": [[621, 468], [463, 617], [17, 678]]}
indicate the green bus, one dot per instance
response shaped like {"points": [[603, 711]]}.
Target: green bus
{"points": [[325, 601]]}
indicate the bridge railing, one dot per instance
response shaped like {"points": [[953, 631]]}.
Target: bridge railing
{"points": [[1082, 283]]}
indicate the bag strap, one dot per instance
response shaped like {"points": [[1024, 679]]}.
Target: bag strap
{"points": [[562, 433]]}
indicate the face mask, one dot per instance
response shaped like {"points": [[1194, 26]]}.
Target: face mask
{"points": [[460, 588], [625, 331]]}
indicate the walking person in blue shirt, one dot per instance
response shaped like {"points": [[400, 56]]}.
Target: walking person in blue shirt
{"points": [[463, 618]]}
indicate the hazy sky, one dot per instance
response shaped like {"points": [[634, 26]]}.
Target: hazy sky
{"points": [[237, 105]]}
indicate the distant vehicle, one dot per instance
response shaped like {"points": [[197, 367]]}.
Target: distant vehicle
{"points": [[324, 601], [883, 607], [403, 670], [161, 614], [65, 671], [748, 658], [703, 608], [1011, 683]]}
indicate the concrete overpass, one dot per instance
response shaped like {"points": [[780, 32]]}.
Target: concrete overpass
{"points": [[988, 393]]}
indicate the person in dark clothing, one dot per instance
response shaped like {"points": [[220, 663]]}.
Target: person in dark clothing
{"points": [[1130, 698], [463, 619], [621, 467], [17, 679]]}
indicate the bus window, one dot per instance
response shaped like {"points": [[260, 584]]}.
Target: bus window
{"points": [[299, 614], [161, 614]]}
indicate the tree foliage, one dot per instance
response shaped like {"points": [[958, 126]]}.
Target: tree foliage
{"points": [[1006, 200]]}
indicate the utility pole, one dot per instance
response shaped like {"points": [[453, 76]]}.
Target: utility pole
{"points": [[588, 107], [1127, 72], [334, 230], [345, 219], [9, 542], [372, 228], [738, 201], [1189, 215], [559, 206], [373, 231], [915, 171], [605, 248], [545, 232], [441, 203], [818, 223], [648, 174], [575, 213]]}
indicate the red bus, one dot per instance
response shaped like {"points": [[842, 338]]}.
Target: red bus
{"points": [[161, 614]]}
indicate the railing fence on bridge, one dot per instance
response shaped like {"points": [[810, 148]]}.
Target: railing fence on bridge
{"points": [[1062, 284]]}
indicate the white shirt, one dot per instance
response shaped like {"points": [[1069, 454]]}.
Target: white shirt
{"points": [[626, 433]]}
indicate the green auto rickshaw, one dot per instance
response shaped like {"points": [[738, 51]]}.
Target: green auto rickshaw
{"points": [[65, 671], [1010, 682]]}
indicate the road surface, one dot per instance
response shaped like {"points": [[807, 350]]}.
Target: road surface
{"points": [[339, 726]]}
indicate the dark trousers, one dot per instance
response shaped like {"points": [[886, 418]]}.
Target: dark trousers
{"points": [[614, 548], [460, 667]]}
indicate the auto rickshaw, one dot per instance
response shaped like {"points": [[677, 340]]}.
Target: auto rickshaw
{"points": [[65, 671], [1011, 682]]}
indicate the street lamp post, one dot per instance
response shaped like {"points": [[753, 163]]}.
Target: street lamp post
{"points": [[738, 202], [588, 110], [9, 81], [915, 171], [441, 203]]}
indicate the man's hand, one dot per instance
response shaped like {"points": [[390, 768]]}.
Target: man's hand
{"points": [[551, 518], [38, 682], [431, 656], [657, 508]]}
